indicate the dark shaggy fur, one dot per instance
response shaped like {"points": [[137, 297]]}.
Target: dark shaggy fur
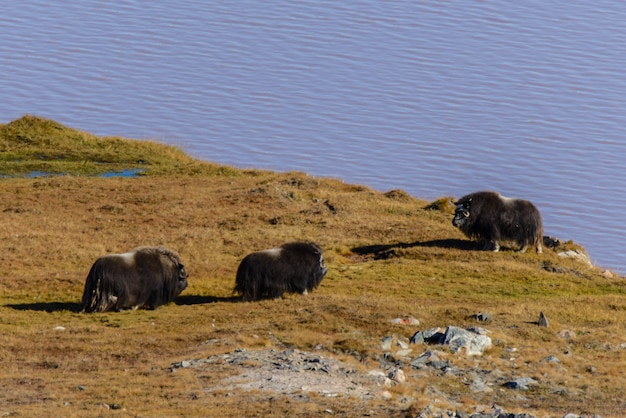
{"points": [[494, 218], [295, 267], [146, 277]]}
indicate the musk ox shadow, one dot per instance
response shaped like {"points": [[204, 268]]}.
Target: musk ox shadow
{"points": [[47, 307], [145, 277], [295, 267], [186, 300], [493, 218], [385, 251]]}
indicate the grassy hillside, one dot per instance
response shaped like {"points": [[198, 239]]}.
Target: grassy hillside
{"points": [[389, 255]]}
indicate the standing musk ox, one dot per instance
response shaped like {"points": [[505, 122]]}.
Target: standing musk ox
{"points": [[146, 277], [296, 267], [494, 218]]}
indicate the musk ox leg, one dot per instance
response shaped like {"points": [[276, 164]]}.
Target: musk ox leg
{"points": [[496, 247], [524, 248], [305, 292]]}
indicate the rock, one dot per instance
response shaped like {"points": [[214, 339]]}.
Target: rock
{"points": [[472, 343], [404, 353], [479, 386], [407, 320], [403, 343], [607, 274], [481, 316], [551, 242], [397, 376], [552, 359], [59, 328], [417, 338], [425, 359], [543, 321], [576, 255], [521, 383], [567, 334], [386, 343], [430, 336]]}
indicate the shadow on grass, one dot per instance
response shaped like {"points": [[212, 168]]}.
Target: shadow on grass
{"points": [[199, 300], [76, 308], [384, 251], [47, 306]]}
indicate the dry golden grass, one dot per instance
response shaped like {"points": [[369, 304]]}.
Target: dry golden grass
{"points": [[388, 256]]}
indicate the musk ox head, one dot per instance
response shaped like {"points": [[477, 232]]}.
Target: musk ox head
{"points": [[145, 277], [493, 218], [296, 267]]}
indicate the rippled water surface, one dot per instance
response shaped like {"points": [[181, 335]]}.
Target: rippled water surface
{"points": [[436, 98]]}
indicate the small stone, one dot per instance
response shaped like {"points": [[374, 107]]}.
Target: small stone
{"points": [[403, 343], [397, 376], [520, 384], [575, 254], [59, 328], [406, 320], [567, 334], [386, 346], [185, 364], [543, 321], [482, 317], [404, 353], [386, 395], [417, 338]]}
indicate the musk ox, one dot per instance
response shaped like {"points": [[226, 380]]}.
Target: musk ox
{"points": [[145, 277], [494, 218], [296, 267]]}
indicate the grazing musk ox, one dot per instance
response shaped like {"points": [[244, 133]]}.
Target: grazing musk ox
{"points": [[145, 277], [296, 267], [494, 218]]}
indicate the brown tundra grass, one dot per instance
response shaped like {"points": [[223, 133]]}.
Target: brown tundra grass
{"points": [[388, 256]]}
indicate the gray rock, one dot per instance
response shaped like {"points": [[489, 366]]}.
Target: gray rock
{"points": [[576, 255], [424, 359], [472, 343], [521, 383], [543, 321], [386, 343], [417, 338], [403, 343], [482, 316]]}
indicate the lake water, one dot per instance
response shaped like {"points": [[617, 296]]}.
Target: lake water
{"points": [[435, 98]]}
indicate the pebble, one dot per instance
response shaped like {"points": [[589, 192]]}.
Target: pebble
{"points": [[407, 320]]}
